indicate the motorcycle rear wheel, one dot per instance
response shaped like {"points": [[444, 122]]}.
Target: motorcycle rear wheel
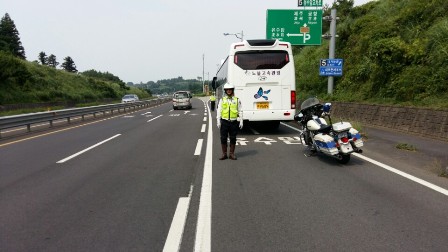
{"points": [[345, 159]]}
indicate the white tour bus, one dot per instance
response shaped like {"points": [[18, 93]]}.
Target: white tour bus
{"points": [[263, 74]]}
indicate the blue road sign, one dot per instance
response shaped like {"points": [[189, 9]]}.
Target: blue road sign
{"points": [[331, 67], [330, 71]]}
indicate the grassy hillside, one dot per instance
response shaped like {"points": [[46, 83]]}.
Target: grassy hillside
{"points": [[394, 51], [28, 82]]}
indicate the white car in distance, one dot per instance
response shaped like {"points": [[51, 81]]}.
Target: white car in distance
{"points": [[129, 98]]}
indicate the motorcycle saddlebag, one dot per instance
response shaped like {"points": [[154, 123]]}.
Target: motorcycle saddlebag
{"points": [[355, 135], [341, 126], [326, 144]]}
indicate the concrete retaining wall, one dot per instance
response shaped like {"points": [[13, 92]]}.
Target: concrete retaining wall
{"points": [[425, 122]]}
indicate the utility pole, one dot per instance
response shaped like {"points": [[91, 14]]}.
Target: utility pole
{"points": [[208, 83], [241, 35], [332, 48], [203, 81]]}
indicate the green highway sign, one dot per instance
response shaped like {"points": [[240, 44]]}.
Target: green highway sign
{"points": [[299, 27]]}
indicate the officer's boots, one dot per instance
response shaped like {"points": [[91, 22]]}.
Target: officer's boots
{"points": [[224, 152], [232, 152]]}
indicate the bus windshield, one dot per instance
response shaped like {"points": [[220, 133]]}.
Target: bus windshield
{"points": [[256, 60]]}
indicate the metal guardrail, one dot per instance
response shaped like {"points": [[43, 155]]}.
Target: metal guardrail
{"points": [[14, 121]]}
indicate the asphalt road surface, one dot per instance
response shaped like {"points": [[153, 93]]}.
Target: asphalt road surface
{"points": [[150, 180]]}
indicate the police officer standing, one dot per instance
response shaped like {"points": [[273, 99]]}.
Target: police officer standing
{"points": [[229, 110], [212, 101]]}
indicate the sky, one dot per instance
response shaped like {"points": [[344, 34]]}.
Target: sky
{"points": [[140, 40]]}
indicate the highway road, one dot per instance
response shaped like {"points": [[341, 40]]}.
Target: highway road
{"points": [[150, 180]]}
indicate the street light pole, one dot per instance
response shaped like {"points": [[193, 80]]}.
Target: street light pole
{"points": [[236, 35], [208, 83], [203, 81]]}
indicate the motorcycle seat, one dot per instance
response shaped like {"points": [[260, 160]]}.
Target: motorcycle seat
{"points": [[324, 129]]}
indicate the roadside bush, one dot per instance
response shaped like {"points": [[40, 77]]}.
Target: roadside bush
{"points": [[307, 70], [13, 71]]}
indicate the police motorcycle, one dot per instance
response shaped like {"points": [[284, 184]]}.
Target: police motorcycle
{"points": [[337, 140]]}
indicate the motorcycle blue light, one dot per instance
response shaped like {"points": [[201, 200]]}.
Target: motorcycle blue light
{"points": [[327, 107]]}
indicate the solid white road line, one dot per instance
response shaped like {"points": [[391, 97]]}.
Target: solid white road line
{"points": [[403, 174], [155, 118], [203, 226], [177, 227], [198, 149], [91, 147], [396, 171], [284, 124]]}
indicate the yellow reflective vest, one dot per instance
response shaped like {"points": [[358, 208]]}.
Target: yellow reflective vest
{"points": [[229, 108]]}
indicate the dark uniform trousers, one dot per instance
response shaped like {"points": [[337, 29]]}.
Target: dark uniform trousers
{"points": [[230, 129]]}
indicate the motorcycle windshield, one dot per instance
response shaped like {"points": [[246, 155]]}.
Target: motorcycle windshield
{"points": [[309, 103]]}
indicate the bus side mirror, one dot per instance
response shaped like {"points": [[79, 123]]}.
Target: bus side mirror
{"points": [[214, 83]]}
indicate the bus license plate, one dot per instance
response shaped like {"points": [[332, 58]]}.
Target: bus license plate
{"points": [[262, 105]]}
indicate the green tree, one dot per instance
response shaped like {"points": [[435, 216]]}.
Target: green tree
{"points": [[14, 74], [52, 61], [105, 76], [9, 37], [69, 65], [43, 58]]}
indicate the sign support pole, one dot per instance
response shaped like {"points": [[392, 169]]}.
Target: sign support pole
{"points": [[332, 47]]}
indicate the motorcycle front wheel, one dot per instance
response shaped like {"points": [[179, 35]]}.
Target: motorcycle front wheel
{"points": [[307, 138], [344, 159]]}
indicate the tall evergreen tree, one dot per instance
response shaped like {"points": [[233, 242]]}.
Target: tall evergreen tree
{"points": [[69, 65], [9, 37], [43, 58], [52, 61]]}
